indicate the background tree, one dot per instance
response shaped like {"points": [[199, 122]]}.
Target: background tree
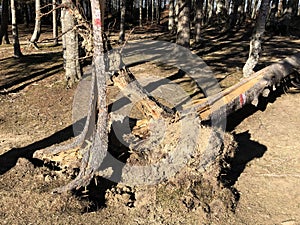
{"points": [[152, 10], [122, 20], [15, 33], [4, 22], [171, 22], [54, 23], [37, 28], [140, 12], [256, 39], [158, 11], [70, 45], [198, 20], [183, 27]]}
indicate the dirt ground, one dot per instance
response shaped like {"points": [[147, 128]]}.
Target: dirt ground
{"points": [[259, 187]]}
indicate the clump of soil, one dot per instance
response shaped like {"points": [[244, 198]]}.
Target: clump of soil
{"points": [[194, 192]]}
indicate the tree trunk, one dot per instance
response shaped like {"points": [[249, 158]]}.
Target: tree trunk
{"points": [[227, 5], [256, 39], [292, 8], [37, 28], [95, 134], [221, 11], [152, 10], [210, 10], [272, 18], [176, 12], [249, 8], [122, 21], [241, 12], [235, 16], [4, 22], [17, 49], [54, 23], [198, 20], [158, 9], [171, 24], [140, 12], [147, 10], [183, 27], [254, 9], [247, 91], [70, 46]]}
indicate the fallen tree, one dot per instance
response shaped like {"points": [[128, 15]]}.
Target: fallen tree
{"points": [[247, 91]]}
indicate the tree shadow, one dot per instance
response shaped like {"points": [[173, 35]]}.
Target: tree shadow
{"points": [[246, 151], [19, 73], [9, 159]]}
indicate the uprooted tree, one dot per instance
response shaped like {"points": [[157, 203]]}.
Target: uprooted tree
{"points": [[92, 143]]}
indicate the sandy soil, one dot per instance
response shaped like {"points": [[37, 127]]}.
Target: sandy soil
{"points": [[261, 186]]}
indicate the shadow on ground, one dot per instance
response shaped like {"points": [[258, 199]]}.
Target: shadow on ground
{"points": [[16, 74]]}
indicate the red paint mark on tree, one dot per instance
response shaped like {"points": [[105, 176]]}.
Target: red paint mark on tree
{"points": [[242, 99], [97, 22]]}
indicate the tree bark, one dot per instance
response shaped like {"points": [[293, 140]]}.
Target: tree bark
{"points": [[221, 11], [183, 27], [249, 8], [210, 10], [152, 10], [140, 12], [16, 43], [247, 91], [147, 10], [254, 9], [37, 27], [256, 39], [4, 22], [97, 138], [122, 21], [198, 20], [70, 46], [158, 8], [171, 22], [54, 23]]}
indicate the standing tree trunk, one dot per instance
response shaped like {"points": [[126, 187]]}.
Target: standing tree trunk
{"points": [[152, 10], [241, 12], [221, 11], [37, 27], [158, 7], [171, 24], [198, 20], [122, 21], [210, 10], [140, 12], [70, 46], [183, 27], [256, 39], [176, 13], [227, 5], [234, 17], [54, 23], [16, 43], [4, 22], [96, 134], [147, 10], [254, 9], [272, 18], [248, 8]]}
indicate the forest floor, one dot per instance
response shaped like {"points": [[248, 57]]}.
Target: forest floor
{"points": [[36, 112]]}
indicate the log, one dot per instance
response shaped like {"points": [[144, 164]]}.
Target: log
{"points": [[247, 91], [130, 87]]}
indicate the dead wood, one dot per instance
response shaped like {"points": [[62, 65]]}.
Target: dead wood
{"points": [[247, 91]]}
